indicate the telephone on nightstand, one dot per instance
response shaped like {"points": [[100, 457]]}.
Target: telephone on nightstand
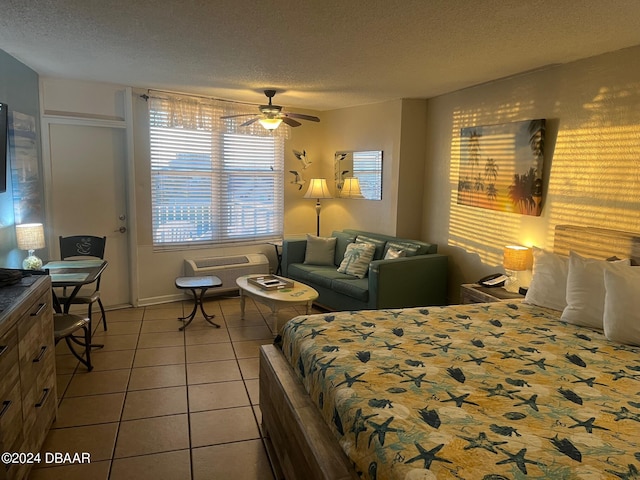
{"points": [[493, 280]]}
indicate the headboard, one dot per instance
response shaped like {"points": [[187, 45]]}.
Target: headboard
{"points": [[597, 242]]}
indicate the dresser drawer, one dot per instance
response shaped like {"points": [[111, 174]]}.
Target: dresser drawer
{"points": [[38, 409], [11, 417], [36, 345], [9, 371]]}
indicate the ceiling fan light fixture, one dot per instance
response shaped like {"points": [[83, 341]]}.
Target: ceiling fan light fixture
{"points": [[270, 123]]}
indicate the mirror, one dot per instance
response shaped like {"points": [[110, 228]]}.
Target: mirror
{"points": [[366, 166]]}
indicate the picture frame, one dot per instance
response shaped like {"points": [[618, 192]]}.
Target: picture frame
{"points": [[501, 167]]}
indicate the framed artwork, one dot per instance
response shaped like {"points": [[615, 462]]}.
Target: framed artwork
{"points": [[501, 167]]}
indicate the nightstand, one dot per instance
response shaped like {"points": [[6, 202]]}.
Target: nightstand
{"points": [[474, 293]]}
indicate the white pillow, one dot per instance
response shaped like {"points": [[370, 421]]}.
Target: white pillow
{"points": [[356, 259], [585, 290], [622, 305], [394, 253], [548, 286]]}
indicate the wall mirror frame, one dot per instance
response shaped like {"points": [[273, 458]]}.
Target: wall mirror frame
{"points": [[366, 166]]}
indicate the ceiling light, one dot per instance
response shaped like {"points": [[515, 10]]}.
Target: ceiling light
{"points": [[270, 123]]}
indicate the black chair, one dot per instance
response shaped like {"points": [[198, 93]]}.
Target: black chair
{"points": [[78, 247], [66, 325]]}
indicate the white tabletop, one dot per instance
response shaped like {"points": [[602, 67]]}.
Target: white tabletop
{"points": [[299, 293]]}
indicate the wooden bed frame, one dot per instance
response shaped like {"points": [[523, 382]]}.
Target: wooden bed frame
{"points": [[301, 445]]}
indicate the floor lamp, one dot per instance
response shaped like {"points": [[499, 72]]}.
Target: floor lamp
{"points": [[318, 189]]}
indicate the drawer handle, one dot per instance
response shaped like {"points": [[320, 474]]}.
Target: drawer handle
{"points": [[39, 311], [45, 394], [3, 348], [5, 406], [43, 349]]}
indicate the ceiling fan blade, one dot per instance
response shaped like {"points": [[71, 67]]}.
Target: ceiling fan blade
{"points": [[291, 122], [301, 116], [239, 115], [249, 122]]}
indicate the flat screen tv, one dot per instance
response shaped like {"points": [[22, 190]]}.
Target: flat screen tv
{"points": [[3, 146]]}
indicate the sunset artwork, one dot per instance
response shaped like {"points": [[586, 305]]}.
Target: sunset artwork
{"points": [[501, 167]]}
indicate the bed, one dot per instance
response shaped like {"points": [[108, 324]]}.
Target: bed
{"points": [[484, 391]]}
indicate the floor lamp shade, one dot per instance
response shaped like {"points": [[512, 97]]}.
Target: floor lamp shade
{"points": [[318, 189], [30, 237], [351, 188]]}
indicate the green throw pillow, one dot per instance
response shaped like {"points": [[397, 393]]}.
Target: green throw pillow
{"points": [[356, 259], [320, 250]]}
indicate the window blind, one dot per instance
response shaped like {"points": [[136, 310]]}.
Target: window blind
{"points": [[210, 185], [367, 167]]}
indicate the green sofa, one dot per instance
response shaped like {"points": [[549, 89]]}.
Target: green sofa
{"points": [[411, 281]]}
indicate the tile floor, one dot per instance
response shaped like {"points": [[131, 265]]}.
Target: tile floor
{"points": [[165, 404]]}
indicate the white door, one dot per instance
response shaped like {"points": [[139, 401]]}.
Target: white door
{"points": [[88, 196]]}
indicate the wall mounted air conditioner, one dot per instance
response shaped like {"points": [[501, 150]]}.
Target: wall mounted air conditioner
{"points": [[227, 268]]}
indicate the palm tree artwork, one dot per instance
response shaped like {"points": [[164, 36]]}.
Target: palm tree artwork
{"points": [[501, 167]]}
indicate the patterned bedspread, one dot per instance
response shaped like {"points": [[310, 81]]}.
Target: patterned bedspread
{"points": [[484, 391]]}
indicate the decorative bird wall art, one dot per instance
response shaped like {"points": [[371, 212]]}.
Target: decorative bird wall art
{"points": [[302, 156], [339, 172], [298, 180]]}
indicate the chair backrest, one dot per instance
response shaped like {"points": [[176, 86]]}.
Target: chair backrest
{"points": [[82, 246]]}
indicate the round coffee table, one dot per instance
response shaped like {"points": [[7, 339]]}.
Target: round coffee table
{"points": [[299, 294]]}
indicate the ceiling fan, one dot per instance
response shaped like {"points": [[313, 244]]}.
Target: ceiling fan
{"points": [[271, 115]]}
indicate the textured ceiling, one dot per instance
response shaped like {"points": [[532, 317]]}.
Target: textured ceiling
{"points": [[320, 55]]}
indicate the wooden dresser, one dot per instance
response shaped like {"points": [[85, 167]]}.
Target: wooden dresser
{"points": [[27, 370]]}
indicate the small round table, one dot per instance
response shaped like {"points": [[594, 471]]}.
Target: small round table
{"points": [[193, 284]]}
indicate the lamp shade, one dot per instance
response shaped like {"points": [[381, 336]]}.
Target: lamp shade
{"points": [[270, 123], [30, 236], [318, 189], [351, 188], [517, 258]]}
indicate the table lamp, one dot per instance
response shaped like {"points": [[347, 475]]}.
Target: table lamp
{"points": [[318, 189], [351, 188], [30, 237], [516, 259]]}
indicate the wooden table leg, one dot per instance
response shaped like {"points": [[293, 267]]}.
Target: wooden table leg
{"points": [[242, 298]]}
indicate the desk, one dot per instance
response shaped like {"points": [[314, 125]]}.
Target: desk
{"points": [[73, 274]]}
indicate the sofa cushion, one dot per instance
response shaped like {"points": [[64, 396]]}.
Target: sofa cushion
{"points": [[377, 242], [394, 253], [357, 258], [355, 288], [410, 249], [321, 275], [326, 275], [342, 240], [320, 250]]}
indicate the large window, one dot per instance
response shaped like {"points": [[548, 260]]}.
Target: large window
{"points": [[211, 184]]}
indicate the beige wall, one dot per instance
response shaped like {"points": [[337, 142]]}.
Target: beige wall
{"points": [[592, 158], [369, 127], [397, 128], [592, 109]]}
